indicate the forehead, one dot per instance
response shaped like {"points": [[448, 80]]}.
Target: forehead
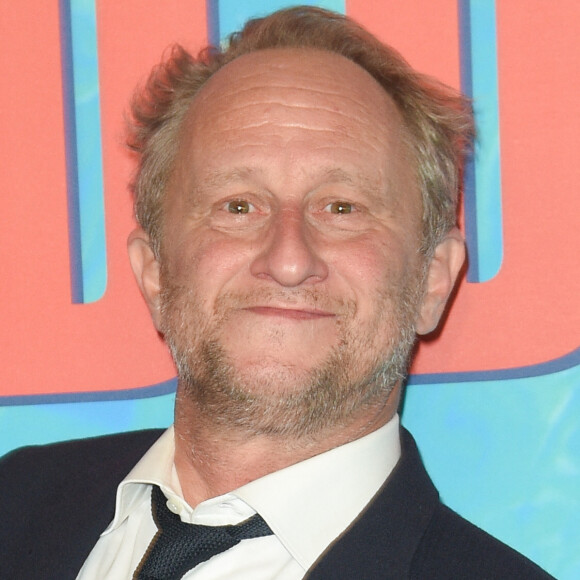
{"points": [[305, 108], [272, 82], [296, 70]]}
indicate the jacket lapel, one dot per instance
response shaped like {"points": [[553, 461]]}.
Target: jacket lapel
{"points": [[382, 541]]}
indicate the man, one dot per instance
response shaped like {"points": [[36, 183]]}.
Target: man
{"points": [[296, 195]]}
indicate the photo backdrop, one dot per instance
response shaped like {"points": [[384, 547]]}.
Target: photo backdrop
{"points": [[494, 402]]}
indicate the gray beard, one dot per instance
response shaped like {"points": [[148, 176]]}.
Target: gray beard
{"points": [[327, 397]]}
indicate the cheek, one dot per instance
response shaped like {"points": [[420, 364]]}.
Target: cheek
{"points": [[369, 264], [207, 261], [376, 274]]}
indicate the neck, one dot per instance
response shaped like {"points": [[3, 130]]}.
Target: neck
{"points": [[211, 460]]}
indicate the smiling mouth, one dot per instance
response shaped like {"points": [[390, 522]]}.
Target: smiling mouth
{"points": [[290, 313]]}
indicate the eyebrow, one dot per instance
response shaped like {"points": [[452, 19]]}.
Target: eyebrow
{"points": [[338, 175], [219, 177], [222, 177], [332, 175]]}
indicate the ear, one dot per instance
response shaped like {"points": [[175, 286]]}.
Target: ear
{"points": [[146, 269], [443, 270]]}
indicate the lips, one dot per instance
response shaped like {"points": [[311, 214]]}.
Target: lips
{"points": [[294, 313]]}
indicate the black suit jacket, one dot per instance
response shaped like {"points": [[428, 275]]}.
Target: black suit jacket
{"points": [[55, 500]]}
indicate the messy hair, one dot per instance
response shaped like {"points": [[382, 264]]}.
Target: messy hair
{"points": [[438, 120]]}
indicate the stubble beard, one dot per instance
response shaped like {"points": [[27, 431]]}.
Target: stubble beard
{"points": [[358, 374]]}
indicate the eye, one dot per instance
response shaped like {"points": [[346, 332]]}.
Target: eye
{"points": [[239, 206], [339, 207]]}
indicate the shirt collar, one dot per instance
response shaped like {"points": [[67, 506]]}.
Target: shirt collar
{"points": [[307, 505], [156, 467]]}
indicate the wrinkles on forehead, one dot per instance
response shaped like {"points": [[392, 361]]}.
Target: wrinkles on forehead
{"points": [[306, 112], [295, 88]]}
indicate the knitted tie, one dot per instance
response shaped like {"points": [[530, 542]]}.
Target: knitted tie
{"points": [[178, 547]]}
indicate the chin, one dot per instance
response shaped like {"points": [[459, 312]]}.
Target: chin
{"points": [[272, 376]]}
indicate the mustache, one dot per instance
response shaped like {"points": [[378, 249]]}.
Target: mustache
{"points": [[312, 298], [309, 298]]}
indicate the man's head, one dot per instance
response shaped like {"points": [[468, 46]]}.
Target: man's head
{"points": [[438, 120], [285, 259]]}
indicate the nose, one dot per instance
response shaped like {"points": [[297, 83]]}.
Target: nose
{"points": [[288, 255]]}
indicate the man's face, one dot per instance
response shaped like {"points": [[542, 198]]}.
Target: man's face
{"points": [[290, 265]]}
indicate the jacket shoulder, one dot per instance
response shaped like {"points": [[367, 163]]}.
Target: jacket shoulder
{"points": [[35, 478], [56, 499], [67, 457], [406, 532], [453, 548]]}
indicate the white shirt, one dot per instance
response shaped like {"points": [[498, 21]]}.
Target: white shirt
{"points": [[307, 506]]}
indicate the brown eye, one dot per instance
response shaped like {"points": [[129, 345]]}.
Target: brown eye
{"points": [[238, 206], [340, 207]]}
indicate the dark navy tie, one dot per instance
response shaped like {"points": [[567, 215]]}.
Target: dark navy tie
{"points": [[178, 547]]}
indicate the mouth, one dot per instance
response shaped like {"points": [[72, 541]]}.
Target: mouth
{"points": [[294, 313]]}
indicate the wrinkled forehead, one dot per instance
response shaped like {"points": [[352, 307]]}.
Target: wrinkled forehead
{"points": [[294, 119], [291, 82]]}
